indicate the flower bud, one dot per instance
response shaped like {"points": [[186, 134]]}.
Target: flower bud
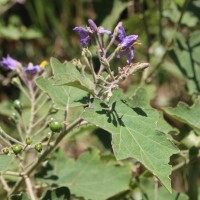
{"points": [[5, 150], [18, 106], [28, 141], [92, 25], [15, 81], [14, 117], [17, 149], [38, 147]]}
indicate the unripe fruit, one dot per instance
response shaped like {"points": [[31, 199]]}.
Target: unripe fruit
{"points": [[5, 150], [38, 147], [17, 105], [55, 126], [17, 149], [28, 141]]}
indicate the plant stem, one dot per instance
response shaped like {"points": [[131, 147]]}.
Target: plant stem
{"points": [[32, 94], [5, 185], [10, 173], [29, 187], [46, 153], [9, 137]]}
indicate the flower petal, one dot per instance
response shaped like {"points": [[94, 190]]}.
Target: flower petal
{"points": [[122, 33], [103, 31], [128, 41], [9, 63]]}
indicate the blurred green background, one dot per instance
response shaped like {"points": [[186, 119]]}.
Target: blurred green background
{"points": [[168, 30]]}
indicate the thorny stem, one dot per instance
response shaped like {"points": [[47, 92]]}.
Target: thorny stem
{"points": [[46, 153]]}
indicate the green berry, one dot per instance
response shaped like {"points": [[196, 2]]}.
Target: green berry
{"points": [[28, 141], [55, 126], [17, 149], [17, 105], [5, 150], [38, 147]]}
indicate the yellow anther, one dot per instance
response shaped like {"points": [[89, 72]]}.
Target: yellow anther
{"points": [[43, 64], [136, 43]]}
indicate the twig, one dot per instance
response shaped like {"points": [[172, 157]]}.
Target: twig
{"points": [[2, 132], [29, 187], [5, 185], [46, 153]]}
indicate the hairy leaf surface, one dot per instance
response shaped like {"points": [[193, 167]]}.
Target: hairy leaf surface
{"points": [[134, 135], [88, 176]]}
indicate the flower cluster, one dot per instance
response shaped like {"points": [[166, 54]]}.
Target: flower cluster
{"points": [[27, 73], [125, 43]]}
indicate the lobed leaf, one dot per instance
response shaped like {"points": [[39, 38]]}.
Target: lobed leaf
{"points": [[88, 177], [134, 135], [186, 114]]}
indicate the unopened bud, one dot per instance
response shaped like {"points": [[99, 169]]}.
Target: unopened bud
{"points": [[28, 141], [18, 106], [5, 150], [92, 25], [15, 81]]}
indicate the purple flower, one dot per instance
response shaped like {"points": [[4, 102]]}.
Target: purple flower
{"points": [[86, 34], [126, 43], [102, 31], [10, 63], [92, 25], [31, 71]]}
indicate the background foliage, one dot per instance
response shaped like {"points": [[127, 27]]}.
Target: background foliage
{"points": [[168, 91]]}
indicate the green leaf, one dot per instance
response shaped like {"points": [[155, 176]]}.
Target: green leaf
{"points": [[68, 74], [134, 135], [5, 161], [62, 96], [113, 17], [140, 98], [88, 177], [186, 114], [60, 193], [164, 127]]}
